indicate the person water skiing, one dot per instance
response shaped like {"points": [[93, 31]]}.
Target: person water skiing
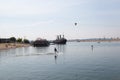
{"points": [[55, 50]]}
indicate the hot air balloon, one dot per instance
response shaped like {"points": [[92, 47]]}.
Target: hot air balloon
{"points": [[75, 24]]}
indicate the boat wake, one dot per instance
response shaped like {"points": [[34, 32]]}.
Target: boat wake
{"points": [[36, 54]]}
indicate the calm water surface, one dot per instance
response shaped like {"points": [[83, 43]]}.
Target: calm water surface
{"points": [[75, 61]]}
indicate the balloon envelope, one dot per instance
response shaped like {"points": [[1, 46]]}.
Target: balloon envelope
{"points": [[75, 24]]}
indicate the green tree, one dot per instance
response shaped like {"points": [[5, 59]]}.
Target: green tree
{"points": [[12, 39], [26, 41], [19, 40]]}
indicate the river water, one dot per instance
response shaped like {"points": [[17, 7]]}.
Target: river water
{"points": [[75, 61]]}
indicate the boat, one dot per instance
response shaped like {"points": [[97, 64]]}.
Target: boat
{"points": [[41, 43], [60, 40]]}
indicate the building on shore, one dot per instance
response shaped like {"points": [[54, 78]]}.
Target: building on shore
{"points": [[5, 40]]}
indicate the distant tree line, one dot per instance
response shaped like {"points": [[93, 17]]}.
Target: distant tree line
{"points": [[19, 40], [14, 40]]}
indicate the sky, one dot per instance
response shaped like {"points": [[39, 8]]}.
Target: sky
{"points": [[34, 19]]}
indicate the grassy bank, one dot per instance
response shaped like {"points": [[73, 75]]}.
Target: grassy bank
{"points": [[12, 45]]}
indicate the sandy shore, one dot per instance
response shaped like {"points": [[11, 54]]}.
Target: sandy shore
{"points": [[4, 46]]}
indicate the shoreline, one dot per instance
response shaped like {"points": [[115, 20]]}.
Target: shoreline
{"points": [[5, 46], [99, 41]]}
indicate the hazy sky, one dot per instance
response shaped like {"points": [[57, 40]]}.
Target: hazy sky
{"points": [[47, 18]]}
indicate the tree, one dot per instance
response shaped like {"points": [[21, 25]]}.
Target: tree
{"points": [[12, 39], [26, 41], [19, 40]]}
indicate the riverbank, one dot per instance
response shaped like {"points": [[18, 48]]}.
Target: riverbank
{"points": [[4, 46], [101, 40]]}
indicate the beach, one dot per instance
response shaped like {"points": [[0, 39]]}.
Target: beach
{"points": [[4, 46]]}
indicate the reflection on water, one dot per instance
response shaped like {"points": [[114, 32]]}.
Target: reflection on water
{"points": [[92, 47], [61, 48], [33, 51], [74, 61], [55, 58]]}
